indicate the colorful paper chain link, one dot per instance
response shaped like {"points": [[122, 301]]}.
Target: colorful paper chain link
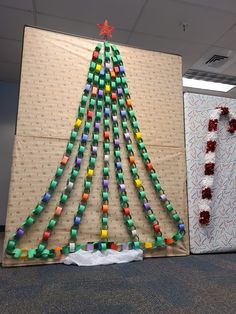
{"points": [[106, 89]]}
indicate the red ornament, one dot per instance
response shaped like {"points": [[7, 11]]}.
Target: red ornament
{"points": [[206, 193], [204, 217], [232, 126], [224, 110], [211, 146], [105, 29], [212, 125], [209, 168]]}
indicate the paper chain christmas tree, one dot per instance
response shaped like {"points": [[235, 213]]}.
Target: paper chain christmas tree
{"points": [[107, 97]]}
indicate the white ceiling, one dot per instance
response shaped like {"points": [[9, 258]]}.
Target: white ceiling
{"points": [[150, 24]]}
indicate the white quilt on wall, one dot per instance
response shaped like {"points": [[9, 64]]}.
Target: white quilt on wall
{"points": [[220, 234]]}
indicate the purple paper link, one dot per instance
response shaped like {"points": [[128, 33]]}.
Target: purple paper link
{"points": [[90, 247], [116, 142], [87, 87], [125, 246], [127, 136], [19, 232], [122, 187], [105, 183], [114, 118], [119, 91], [122, 69], [100, 93], [78, 161], [123, 113], [94, 149], [102, 72], [146, 206], [107, 65], [163, 198], [97, 125]]}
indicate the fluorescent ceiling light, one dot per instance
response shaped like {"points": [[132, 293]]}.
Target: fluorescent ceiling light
{"points": [[220, 87]]}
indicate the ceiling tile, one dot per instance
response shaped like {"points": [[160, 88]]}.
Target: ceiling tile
{"points": [[231, 70], [12, 22], [122, 14], [9, 71], [226, 5], [22, 4], [231, 93], [228, 40], [77, 28], [189, 51], [10, 50], [163, 18]]}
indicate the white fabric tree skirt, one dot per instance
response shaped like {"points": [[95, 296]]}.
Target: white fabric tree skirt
{"points": [[86, 258]]}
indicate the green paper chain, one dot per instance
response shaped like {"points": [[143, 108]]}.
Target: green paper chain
{"points": [[110, 83]]}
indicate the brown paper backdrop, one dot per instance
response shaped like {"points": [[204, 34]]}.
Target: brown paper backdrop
{"points": [[54, 70]]}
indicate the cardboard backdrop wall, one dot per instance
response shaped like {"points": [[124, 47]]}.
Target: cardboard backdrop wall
{"points": [[54, 71], [220, 234]]}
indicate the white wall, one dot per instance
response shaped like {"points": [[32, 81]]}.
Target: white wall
{"points": [[8, 111]]}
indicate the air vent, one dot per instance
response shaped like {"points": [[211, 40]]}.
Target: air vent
{"points": [[216, 61]]}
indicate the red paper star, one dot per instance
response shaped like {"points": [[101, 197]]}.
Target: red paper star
{"points": [[106, 29]]}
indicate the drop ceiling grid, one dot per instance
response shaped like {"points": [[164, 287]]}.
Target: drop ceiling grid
{"points": [[206, 25]]}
